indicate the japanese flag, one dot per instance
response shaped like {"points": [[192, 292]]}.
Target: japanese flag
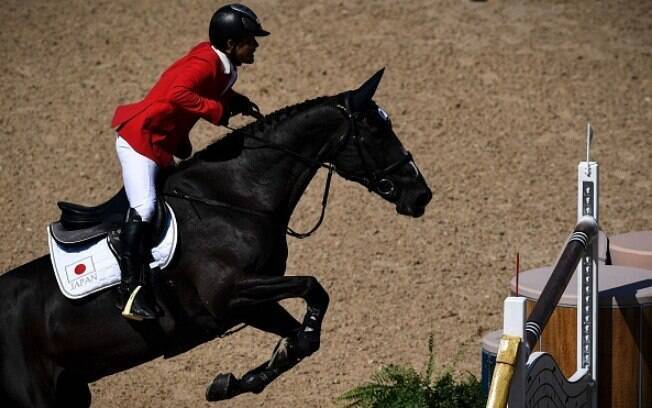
{"points": [[79, 269]]}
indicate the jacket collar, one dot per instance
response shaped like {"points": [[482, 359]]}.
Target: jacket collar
{"points": [[226, 62]]}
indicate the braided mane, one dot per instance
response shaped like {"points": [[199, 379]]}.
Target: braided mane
{"points": [[230, 145]]}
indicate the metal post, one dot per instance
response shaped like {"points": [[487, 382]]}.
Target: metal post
{"points": [[587, 270]]}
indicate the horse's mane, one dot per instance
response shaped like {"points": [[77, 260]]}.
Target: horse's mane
{"points": [[231, 144]]}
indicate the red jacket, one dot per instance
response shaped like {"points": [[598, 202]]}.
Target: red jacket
{"points": [[192, 88]]}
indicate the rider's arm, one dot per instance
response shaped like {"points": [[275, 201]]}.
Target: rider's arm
{"points": [[196, 74]]}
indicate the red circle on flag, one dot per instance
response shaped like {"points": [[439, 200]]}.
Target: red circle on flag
{"points": [[79, 269]]}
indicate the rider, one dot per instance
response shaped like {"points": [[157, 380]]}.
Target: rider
{"points": [[152, 131]]}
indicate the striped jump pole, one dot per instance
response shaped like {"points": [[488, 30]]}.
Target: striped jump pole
{"points": [[580, 241], [528, 379]]}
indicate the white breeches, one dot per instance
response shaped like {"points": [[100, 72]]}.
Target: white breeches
{"points": [[139, 176]]}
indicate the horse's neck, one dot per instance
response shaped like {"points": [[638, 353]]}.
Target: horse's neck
{"points": [[317, 133], [266, 179]]}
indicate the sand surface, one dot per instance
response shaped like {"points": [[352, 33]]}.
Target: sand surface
{"points": [[492, 98]]}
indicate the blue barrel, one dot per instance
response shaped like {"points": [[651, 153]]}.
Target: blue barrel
{"points": [[489, 350]]}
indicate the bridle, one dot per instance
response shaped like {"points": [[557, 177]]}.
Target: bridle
{"points": [[378, 180]]}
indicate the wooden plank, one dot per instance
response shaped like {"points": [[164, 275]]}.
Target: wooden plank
{"points": [[619, 357], [646, 357], [559, 338], [621, 375]]}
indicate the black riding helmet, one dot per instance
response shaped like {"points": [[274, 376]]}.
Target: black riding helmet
{"points": [[233, 21]]}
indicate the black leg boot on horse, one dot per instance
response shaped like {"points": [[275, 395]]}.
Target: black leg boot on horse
{"points": [[134, 264]]}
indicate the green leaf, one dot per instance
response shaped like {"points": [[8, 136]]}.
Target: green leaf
{"points": [[395, 386]]}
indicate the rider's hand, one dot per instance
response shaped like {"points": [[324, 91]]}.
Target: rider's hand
{"points": [[254, 111], [240, 104]]}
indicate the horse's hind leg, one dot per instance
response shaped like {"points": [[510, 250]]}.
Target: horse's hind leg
{"points": [[71, 391], [261, 294], [24, 382], [39, 384], [24, 390]]}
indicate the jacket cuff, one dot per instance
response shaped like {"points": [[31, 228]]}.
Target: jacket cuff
{"points": [[215, 112]]}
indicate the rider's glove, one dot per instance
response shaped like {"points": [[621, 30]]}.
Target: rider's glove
{"points": [[240, 104]]}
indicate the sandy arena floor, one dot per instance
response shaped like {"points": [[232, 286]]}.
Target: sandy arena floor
{"points": [[491, 97]]}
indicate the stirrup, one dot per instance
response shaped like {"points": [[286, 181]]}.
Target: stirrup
{"points": [[128, 312]]}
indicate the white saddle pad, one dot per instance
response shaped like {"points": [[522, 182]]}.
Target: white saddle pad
{"points": [[82, 269]]}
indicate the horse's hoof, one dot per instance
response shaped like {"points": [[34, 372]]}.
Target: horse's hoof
{"points": [[256, 382], [223, 387]]}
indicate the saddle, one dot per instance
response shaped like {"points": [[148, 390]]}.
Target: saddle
{"points": [[79, 224], [85, 244]]}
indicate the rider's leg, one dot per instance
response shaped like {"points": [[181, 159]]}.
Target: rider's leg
{"points": [[139, 176]]}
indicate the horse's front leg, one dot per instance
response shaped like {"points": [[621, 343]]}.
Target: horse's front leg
{"points": [[257, 297], [271, 318], [257, 292]]}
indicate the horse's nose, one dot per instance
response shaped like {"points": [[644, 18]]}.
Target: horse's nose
{"points": [[423, 198]]}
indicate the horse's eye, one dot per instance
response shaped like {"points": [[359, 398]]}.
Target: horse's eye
{"points": [[377, 120], [371, 122]]}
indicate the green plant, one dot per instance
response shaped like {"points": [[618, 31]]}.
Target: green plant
{"points": [[395, 386]]}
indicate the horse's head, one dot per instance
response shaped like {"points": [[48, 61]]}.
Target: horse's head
{"points": [[372, 155]]}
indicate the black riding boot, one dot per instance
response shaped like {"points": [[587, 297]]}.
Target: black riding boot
{"points": [[134, 264]]}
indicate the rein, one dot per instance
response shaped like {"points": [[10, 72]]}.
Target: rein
{"points": [[306, 160], [374, 180], [213, 203]]}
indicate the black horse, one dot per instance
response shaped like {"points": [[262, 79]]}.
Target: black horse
{"points": [[233, 201]]}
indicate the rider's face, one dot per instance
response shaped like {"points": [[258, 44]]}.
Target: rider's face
{"points": [[242, 51]]}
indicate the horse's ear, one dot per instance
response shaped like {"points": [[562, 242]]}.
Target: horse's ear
{"points": [[361, 97]]}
